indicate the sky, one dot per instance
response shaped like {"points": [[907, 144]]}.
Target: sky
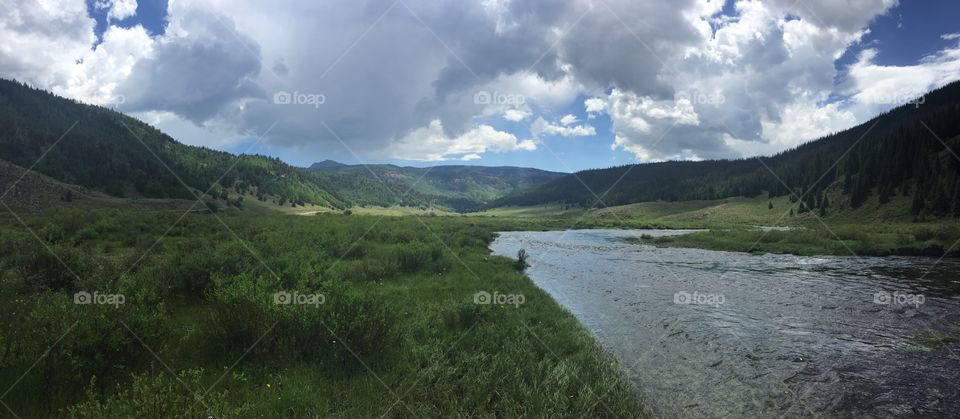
{"points": [[559, 85]]}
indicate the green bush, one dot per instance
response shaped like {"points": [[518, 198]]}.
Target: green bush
{"points": [[413, 256], [159, 396], [53, 267], [92, 339], [246, 316], [370, 269]]}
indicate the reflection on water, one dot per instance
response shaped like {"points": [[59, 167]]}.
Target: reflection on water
{"points": [[715, 334]]}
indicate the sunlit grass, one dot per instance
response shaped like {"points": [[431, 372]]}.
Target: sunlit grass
{"points": [[201, 301]]}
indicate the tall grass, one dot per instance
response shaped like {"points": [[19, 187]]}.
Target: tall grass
{"points": [[398, 331]]}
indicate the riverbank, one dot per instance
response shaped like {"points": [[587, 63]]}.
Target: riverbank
{"points": [[920, 239], [869, 230], [403, 316]]}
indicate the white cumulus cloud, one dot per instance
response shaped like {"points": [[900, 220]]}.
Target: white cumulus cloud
{"points": [[542, 127], [431, 143]]}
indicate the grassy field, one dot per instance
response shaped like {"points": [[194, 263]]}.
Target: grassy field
{"points": [[397, 211], [383, 321], [390, 326], [550, 210]]}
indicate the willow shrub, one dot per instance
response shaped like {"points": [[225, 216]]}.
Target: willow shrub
{"points": [[333, 324]]}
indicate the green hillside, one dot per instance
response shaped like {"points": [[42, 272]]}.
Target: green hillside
{"points": [[459, 188], [891, 155], [124, 157], [114, 154]]}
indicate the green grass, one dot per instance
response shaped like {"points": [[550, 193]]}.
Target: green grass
{"points": [[396, 211], [548, 210], [870, 229], [929, 239], [398, 298]]}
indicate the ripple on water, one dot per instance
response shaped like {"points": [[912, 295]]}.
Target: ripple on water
{"points": [[793, 336]]}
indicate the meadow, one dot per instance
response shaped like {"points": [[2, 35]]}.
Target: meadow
{"points": [[110, 313]]}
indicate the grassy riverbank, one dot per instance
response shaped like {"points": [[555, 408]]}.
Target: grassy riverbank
{"points": [[199, 333], [927, 239], [735, 224]]}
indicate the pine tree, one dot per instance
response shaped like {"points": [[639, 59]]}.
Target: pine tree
{"points": [[884, 194], [918, 202]]}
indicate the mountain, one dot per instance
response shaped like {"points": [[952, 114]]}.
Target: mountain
{"points": [[898, 152], [460, 188], [327, 165], [111, 154]]}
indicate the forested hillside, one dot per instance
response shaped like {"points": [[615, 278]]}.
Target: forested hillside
{"points": [[101, 153], [461, 188], [891, 154]]}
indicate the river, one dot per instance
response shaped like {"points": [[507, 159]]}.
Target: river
{"points": [[723, 334]]}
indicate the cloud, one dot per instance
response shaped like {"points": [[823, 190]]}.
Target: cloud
{"points": [[201, 68], [118, 9], [516, 115], [950, 36], [541, 127], [736, 89], [677, 79], [594, 105], [874, 88], [430, 143], [41, 42], [843, 16]]}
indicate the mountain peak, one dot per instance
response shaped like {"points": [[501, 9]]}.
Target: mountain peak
{"points": [[327, 165]]}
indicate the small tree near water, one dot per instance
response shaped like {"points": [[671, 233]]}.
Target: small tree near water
{"points": [[522, 256]]}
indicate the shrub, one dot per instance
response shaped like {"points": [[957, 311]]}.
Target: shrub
{"points": [[191, 268], [924, 234], [521, 263], [52, 267], [98, 343], [413, 256], [159, 396], [371, 269], [246, 316]]}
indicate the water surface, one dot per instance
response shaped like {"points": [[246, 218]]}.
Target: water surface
{"points": [[707, 333]]}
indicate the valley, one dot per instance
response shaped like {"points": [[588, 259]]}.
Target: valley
{"points": [[413, 314]]}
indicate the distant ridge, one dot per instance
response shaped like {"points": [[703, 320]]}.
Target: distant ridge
{"points": [[327, 165], [458, 187]]}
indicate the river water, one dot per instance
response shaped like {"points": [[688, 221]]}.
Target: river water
{"points": [[722, 334]]}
